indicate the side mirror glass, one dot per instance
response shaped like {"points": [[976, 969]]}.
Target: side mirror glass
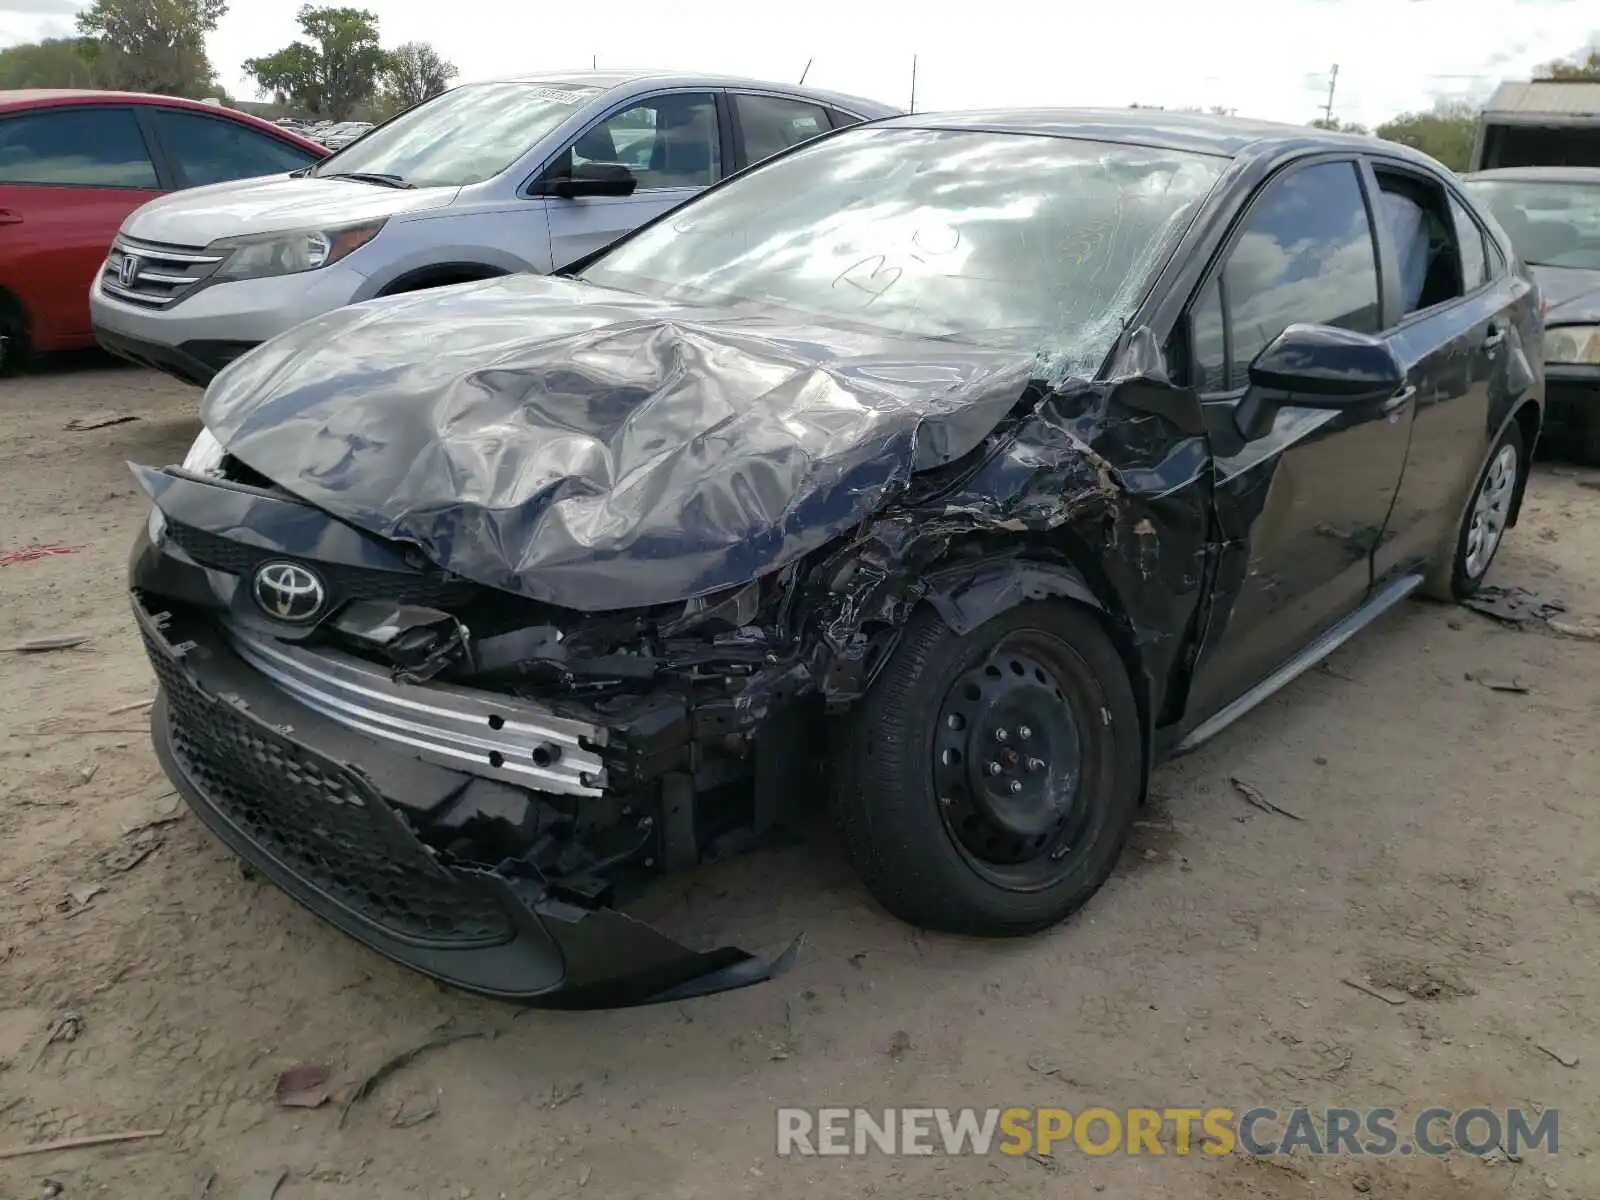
{"points": [[591, 179]]}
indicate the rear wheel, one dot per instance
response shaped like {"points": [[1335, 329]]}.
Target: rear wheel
{"points": [[13, 336], [990, 780], [1486, 520]]}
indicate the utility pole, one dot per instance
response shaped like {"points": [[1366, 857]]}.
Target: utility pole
{"points": [[1327, 109], [913, 83]]}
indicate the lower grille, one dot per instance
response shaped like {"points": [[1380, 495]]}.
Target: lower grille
{"points": [[319, 820]]}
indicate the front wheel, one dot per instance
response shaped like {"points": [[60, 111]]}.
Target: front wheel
{"points": [[990, 780]]}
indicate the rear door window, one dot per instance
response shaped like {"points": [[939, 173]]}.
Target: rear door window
{"points": [[771, 124], [216, 150], [1474, 255], [1306, 255], [1423, 233], [82, 147]]}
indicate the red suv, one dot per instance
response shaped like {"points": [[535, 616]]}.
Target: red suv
{"points": [[74, 164]]}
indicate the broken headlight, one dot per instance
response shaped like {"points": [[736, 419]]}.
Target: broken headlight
{"points": [[1573, 345], [719, 612], [205, 456]]}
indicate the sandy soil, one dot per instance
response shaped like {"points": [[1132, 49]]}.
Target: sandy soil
{"points": [[1449, 848]]}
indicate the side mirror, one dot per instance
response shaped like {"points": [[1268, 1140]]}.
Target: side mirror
{"points": [[591, 179], [1317, 366]]}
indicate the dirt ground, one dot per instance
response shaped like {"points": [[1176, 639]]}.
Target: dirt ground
{"points": [[1448, 848]]}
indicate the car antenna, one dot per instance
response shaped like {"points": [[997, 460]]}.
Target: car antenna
{"points": [[913, 83], [807, 71]]}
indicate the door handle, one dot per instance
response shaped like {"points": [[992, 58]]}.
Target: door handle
{"points": [[10, 217], [1399, 400], [1496, 336]]}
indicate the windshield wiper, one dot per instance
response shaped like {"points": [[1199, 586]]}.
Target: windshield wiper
{"points": [[393, 181]]}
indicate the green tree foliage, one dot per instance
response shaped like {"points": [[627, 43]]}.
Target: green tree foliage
{"points": [[151, 45], [1445, 132], [1335, 125], [52, 63], [416, 71], [338, 68], [1581, 67]]}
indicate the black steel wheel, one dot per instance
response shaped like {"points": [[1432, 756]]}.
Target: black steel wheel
{"points": [[989, 781]]}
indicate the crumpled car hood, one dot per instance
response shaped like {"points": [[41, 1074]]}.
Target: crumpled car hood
{"points": [[1572, 294], [597, 449]]}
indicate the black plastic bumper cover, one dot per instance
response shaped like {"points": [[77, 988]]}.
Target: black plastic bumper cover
{"points": [[546, 952]]}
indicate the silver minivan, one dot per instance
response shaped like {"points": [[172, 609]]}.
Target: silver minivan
{"points": [[486, 179]]}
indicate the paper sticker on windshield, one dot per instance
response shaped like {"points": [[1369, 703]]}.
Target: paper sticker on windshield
{"points": [[573, 95]]}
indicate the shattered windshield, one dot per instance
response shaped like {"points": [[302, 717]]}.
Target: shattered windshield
{"points": [[1042, 243], [463, 136], [1552, 224]]}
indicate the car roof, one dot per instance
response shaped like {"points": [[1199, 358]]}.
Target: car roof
{"points": [[23, 98], [645, 77], [1537, 175], [1201, 133]]}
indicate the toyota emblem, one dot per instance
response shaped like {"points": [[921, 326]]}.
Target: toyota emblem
{"points": [[289, 592], [127, 270]]}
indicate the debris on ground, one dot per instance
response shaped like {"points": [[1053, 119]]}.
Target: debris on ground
{"points": [[136, 846], [41, 645], [1387, 995], [303, 1086], [86, 774], [401, 1060], [562, 1093], [899, 1045], [1514, 606], [128, 708], [1587, 628], [36, 551], [1043, 1066], [1561, 1056], [411, 1113], [98, 420], [74, 1143], [65, 1027], [202, 1184], [1044, 1160], [51, 1188], [263, 1185], [1499, 683], [1254, 796], [583, 1176], [77, 899]]}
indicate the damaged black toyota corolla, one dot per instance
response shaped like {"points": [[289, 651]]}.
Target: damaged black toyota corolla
{"points": [[967, 464]]}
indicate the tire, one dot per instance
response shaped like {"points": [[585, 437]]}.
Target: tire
{"points": [[1462, 573], [921, 829], [14, 349]]}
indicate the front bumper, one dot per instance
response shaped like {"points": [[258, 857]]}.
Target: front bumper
{"points": [[215, 321], [302, 799], [1572, 402]]}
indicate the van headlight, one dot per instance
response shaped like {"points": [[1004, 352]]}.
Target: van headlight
{"points": [[1573, 345], [263, 255]]}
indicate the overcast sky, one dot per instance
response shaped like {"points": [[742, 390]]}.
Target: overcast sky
{"points": [[1266, 58]]}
